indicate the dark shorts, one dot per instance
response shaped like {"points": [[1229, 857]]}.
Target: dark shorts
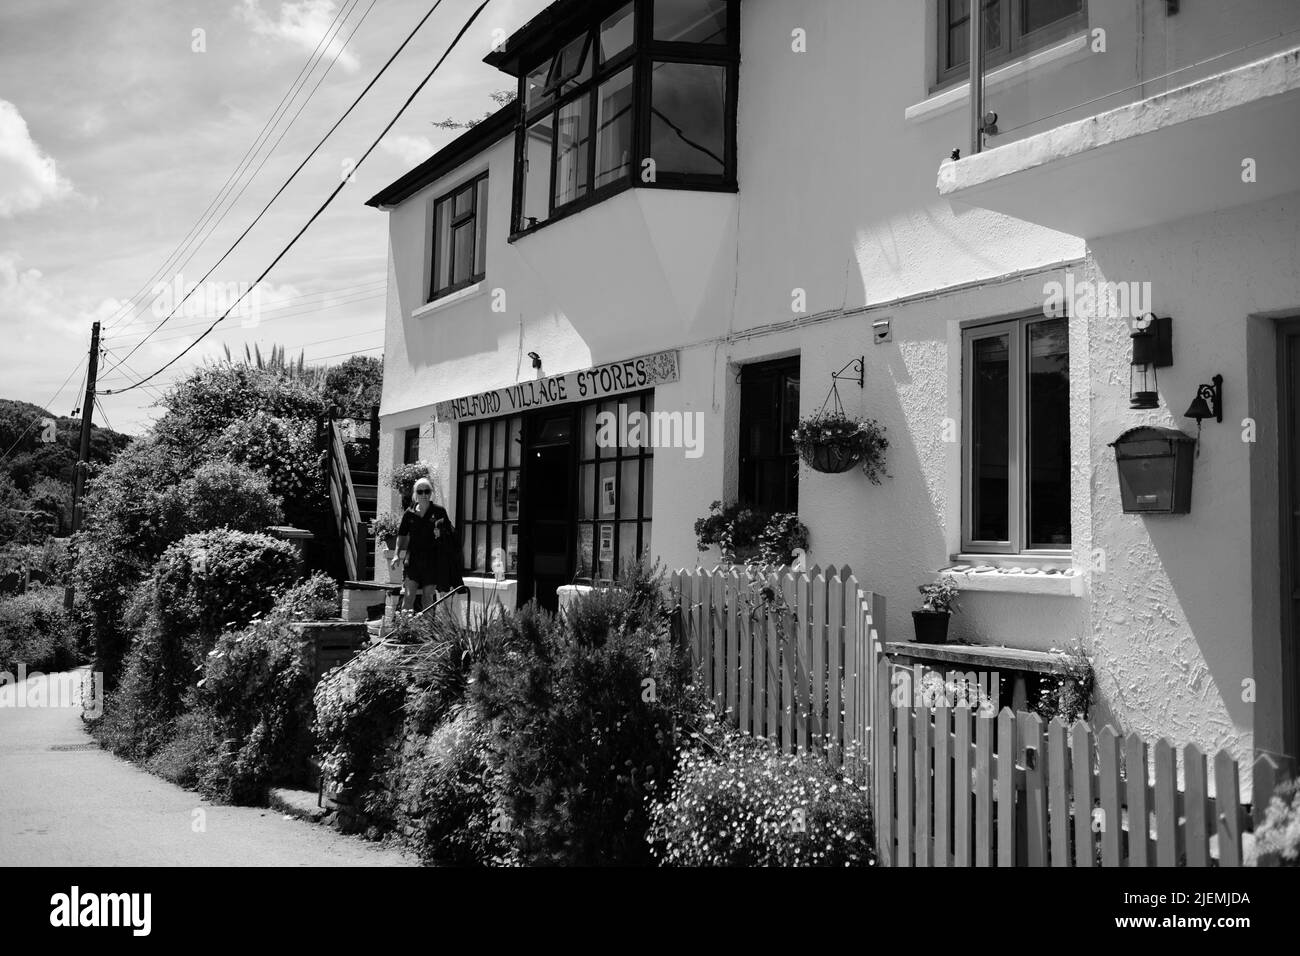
{"points": [[425, 574]]}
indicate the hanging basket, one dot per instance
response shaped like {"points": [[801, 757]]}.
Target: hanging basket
{"points": [[831, 458]]}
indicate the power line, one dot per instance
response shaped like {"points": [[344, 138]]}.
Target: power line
{"points": [[273, 148], [294, 174], [289, 95], [281, 312], [337, 189], [45, 407]]}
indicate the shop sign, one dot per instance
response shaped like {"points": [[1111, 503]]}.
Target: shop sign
{"points": [[613, 378]]}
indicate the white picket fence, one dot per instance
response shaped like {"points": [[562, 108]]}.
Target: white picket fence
{"points": [[798, 658]]}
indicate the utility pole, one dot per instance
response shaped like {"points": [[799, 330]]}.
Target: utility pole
{"points": [[83, 456]]}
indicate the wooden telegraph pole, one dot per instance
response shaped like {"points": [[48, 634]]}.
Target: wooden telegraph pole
{"points": [[83, 455]]}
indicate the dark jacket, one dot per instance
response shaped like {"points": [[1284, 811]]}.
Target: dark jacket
{"points": [[432, 560]]}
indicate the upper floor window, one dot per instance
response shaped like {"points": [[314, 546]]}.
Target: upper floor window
{"points": [[1012, 28], [459, 238], [644, 95], [1016, 436]]}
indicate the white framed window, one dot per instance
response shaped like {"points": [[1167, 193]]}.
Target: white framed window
{"points": [[1016, 436]]}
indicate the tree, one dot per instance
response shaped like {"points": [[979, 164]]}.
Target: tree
{"points": [[502, 98]]}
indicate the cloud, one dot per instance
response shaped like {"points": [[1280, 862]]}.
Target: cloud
{"points": [[28, 177], [411, 150], [303, 24]]}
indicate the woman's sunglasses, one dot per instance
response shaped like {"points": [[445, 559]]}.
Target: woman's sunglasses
{"points": [[424, 494]]}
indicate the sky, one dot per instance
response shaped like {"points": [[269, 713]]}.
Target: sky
{"points": [[124, 122]]}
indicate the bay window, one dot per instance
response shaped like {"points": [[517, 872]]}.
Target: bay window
{"points": [[639, 93]]}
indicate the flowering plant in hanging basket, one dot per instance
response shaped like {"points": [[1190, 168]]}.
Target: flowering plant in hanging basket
{"points": [[832, 442]]}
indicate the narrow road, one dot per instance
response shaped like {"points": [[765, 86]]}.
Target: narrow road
{"points": [[65, 802]]}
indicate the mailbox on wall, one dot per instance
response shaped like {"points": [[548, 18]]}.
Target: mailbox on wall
{"points": [[1155, 470]]}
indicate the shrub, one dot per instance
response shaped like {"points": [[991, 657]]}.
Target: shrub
{"points": [[1279, 833], [257, 693], [585, 720], [451, 795], [200, 408], [189, 752], [404, 477], [35, 630], [284, 450], [138, 716], [358, 710], [314, 599], [782, 534], [735, 526], [225, 494], [218, 579], [748, 805]]}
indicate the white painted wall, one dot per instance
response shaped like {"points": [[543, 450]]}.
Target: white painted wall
{"points": [[838, 198]]}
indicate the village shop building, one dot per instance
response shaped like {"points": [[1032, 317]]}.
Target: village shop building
{"points": [[710, 207]]}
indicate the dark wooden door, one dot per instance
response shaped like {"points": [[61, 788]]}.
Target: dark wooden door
{"points": [[546, 535], [1289, 425]]}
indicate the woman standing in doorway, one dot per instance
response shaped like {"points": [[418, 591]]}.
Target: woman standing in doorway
{"points": [[428, 542]]}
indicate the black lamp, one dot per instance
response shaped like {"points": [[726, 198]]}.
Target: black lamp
{"points": [[1208, 402], [1152, 349]]}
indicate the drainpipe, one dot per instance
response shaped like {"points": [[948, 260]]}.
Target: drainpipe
{"points": [[977, 76]]}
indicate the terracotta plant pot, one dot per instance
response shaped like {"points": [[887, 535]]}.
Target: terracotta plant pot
{"points": [[833, 458], [931, 626]]}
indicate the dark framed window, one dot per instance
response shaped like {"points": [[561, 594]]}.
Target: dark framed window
{"points": [[640, 80], [1012, 28], [459, 238], [487, 503], [769, 413], [411, 446], [615, 490], [1016, 436]]}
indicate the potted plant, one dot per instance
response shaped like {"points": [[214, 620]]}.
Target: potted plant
{"points": [[735, 529], [383, 528], [938, 602], [832, 442], [782, 534], [404, 477]]}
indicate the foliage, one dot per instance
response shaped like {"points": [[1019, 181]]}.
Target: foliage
{"points": [[224, 494], [452, 796], [354, 387], [940, 597], [32, 458], [314, 599], [35, 630], [136, 508], [53, 497], [204, 405], [782, 534], [585, 714], [404, 477], [188, 752], [257, 690], [737, 526], [1069, 694], [286, 451], [502, 98], [746, 804], [385, 525], [442, 663], [1279, 832], [217, 579], [864, 438], [358, 710]]}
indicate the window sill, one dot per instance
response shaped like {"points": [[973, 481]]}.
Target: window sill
{"points": [[1017, 579], [945, 101], [469, 292]]}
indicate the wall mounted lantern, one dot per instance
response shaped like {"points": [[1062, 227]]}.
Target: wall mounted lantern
{"points": [[1153, 348]]}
